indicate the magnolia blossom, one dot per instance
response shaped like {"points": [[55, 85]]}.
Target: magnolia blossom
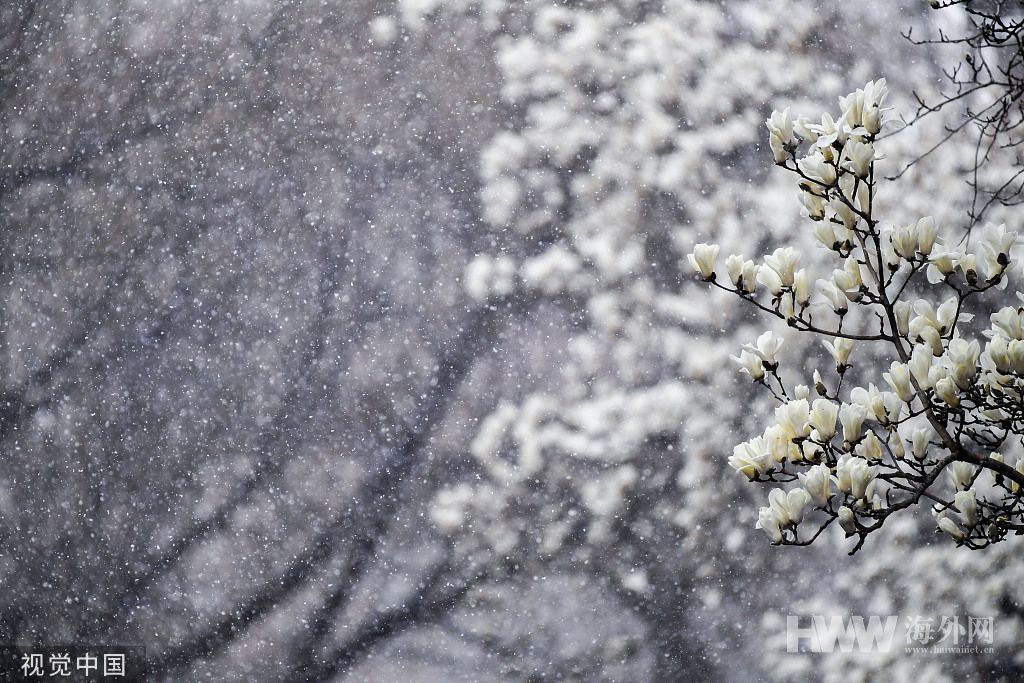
{"points": [[858, 157], [870, 448], [823, 418], [793, 418], [840, 349], [750, 363], [855, 477], [898, 378], [847, 520], [950, 527], [766, 347], [752, 458], [818, 169], [944, 392], [783, 261], [703, 259], [967, 504], [960, 474], [789, 507], [816, 481], [852, 417], [769, 521], [926, 235]]}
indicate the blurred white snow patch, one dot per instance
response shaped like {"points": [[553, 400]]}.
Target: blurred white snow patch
{"points": [[384, 29], [636, 581], [449, 508], [604, 495], [556, 270], [490, 276]]}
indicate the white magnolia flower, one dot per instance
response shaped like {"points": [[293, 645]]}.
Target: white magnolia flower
{"points": [[858, 157], [997, 240], [789, 507], [855, 477], [902, 310], [849, 279], [770, 279], [823, 418], [926, 233], [769, 522], [945, 389], [766, 347], [816, 481], [942, 264], [962, 357], [898, 378], [750, 363], [967, 504], [752, 458], [871, 115], [781, 125], [703, 259], [960, 474], [787, 306], [813, 205], [844, 213], [817, 169], [952, 528], [840, 349], [870, 448], [793, 418], [835, 296], [852, 417], [801, 288], [734, 268], [920, 440], [784, 261], [904, 240], [920, 365]]}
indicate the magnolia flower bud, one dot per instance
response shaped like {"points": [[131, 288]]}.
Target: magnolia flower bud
{"points": [[960, 474], [847, 520], [926, 232], [898, 378], [840, 349], [945, 389], [852, 418], [951, 528], [919, 442], [801, 288], [967, 504], [902, 311], [703, 259], [734, 267], [920, 365]]}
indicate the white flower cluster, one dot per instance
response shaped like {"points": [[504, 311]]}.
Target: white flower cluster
{"points": [[948, 403]]}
